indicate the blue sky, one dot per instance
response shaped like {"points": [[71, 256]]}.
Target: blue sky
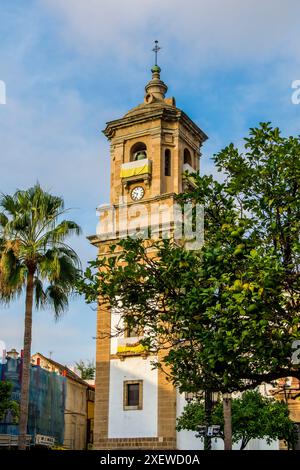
{"points": [[69, 66]]}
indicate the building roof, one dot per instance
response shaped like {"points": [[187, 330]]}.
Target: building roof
{"points": [[63, 368]]}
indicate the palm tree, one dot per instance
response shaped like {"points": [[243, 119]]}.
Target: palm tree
{"points": [[35, 258]]}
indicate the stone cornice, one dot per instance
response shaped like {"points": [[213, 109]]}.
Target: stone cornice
{"points": [[163, 113]]}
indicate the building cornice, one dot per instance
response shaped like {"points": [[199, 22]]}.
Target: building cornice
{"points": [[163, 113]]}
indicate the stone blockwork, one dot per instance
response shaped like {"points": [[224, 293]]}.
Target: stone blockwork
{"points": [[166, 405], [102, 376], [143, 443]]}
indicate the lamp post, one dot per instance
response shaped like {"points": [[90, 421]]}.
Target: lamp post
{"points": [[206, 431]]}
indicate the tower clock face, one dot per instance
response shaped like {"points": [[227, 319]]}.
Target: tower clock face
{"points": [[137, 193]]}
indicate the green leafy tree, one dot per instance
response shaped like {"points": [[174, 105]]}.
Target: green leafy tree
{"points": [[87, 369], [227, 315], [35, 258], [253, 417], [6, 403]]}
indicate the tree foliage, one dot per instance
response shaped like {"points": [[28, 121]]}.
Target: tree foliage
{"points": [[253, 417], [33, 241], [228, 314], [87, 369], [6, 403]]}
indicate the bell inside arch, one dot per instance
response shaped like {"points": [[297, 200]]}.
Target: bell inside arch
{"points": [[140, 155]]}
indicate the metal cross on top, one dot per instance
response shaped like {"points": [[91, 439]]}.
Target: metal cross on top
{"points": [[155, 49]]}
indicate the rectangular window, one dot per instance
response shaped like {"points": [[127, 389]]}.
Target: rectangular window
{"points": [[133, 392], [132, 331], [133, 395], [132, 328], [91, 395]]}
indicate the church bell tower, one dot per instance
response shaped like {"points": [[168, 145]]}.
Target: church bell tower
{"points": [[152, 150]]}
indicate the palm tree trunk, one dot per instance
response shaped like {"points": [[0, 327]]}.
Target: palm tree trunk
{"points": [[26, 363], [227, 422]]}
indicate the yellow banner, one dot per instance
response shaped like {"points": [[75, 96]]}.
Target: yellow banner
{"points": [[127, 172]]}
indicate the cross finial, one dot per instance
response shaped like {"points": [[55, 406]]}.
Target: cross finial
{"points": [[155, 49]]}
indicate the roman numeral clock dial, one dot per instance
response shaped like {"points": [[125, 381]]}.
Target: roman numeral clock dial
{"points": [[137, 193]]}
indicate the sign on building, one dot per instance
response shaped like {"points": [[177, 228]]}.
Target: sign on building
{"points": [[42, 440]]}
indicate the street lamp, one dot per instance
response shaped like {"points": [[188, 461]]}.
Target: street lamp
{"points": [[206, 431], [193, 396]]}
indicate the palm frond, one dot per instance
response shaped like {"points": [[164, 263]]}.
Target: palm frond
{"points": [[12, 280], [40, 295], [64, 229], [33, 237], [57, 299], [8, 203], [3, 219]]}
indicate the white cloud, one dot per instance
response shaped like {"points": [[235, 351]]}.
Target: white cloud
{"points": [[55, 138], [194, 32]]}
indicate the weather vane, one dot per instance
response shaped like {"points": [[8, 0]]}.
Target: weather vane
{"points": [[155, 49]]}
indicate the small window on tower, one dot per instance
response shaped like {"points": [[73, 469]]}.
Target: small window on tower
{"points": [[138, 151], [168, 162], [133, 395], [132, 331], [187, 158]]}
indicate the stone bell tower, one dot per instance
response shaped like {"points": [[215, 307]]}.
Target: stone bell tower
{"points": [[152, 148], [152, 145]]}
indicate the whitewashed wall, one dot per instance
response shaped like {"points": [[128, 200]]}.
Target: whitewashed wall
{"points": [[132, 423], [116, 322]]}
